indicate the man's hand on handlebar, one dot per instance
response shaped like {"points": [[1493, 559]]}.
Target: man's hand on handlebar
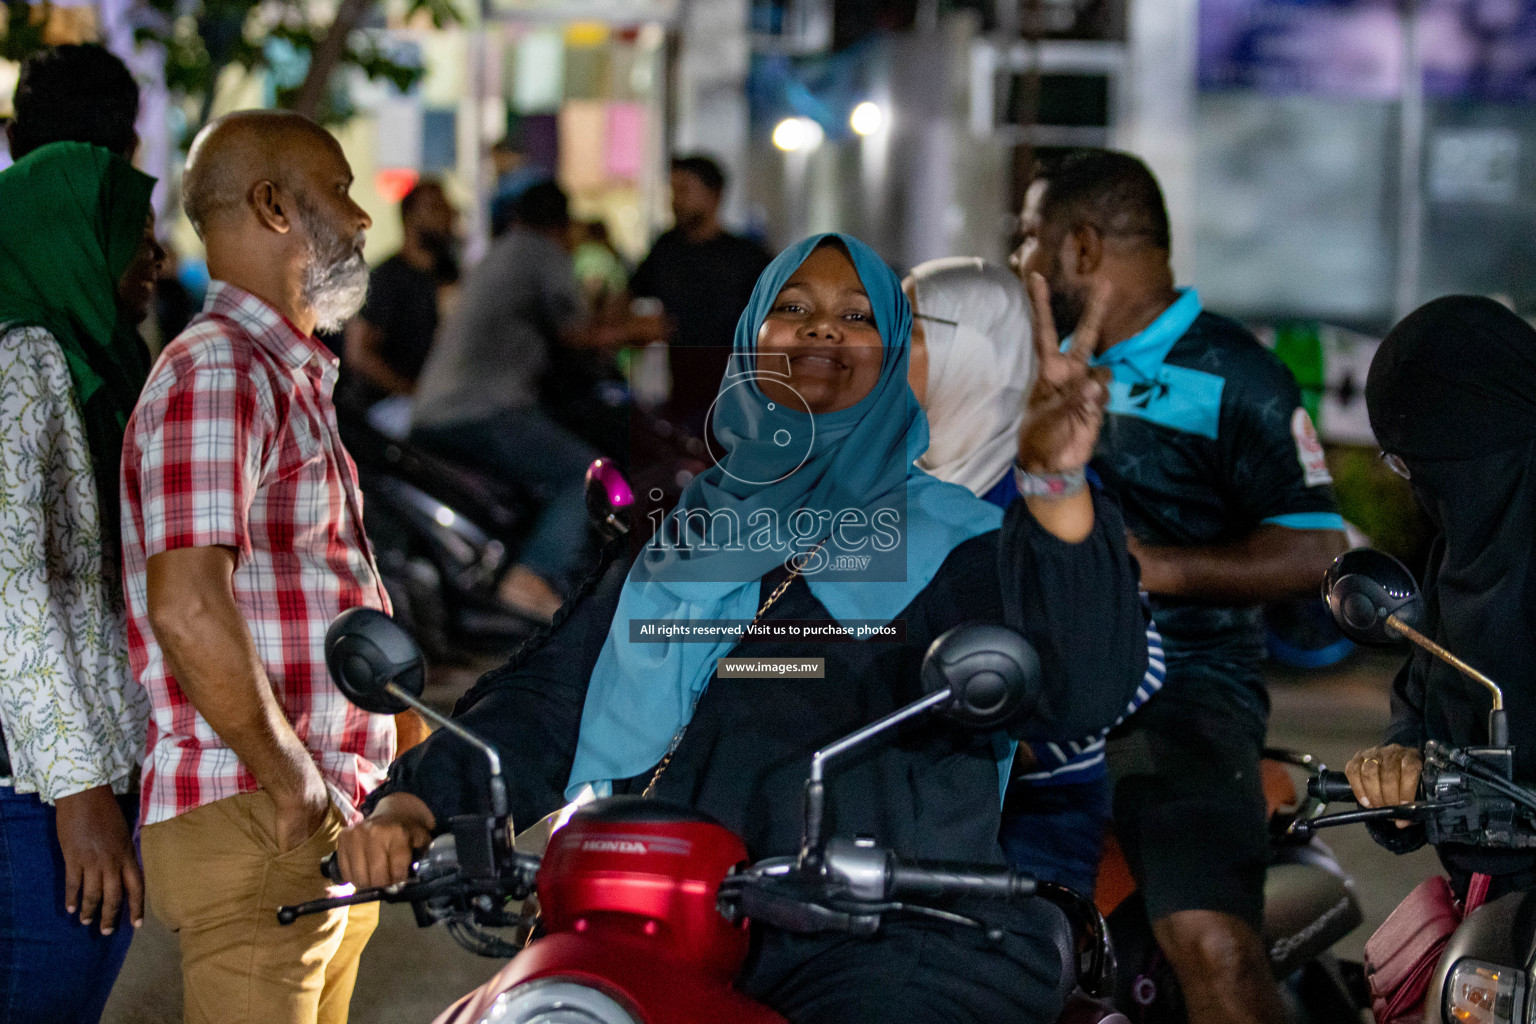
{"points": [[378, 850], [1385, 776]]}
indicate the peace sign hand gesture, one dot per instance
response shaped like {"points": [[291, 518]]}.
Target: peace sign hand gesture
{"points": [[1066, 406]]}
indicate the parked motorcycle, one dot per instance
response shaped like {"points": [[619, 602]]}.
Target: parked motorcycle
{"points": [[445, 534], [1467, 795], [647, 905]]}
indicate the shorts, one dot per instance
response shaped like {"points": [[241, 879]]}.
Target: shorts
{"points": [[1189, 801]]}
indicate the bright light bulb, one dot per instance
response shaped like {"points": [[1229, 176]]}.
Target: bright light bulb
{"points": [[797, 133], [789, 134], [867, 118]]}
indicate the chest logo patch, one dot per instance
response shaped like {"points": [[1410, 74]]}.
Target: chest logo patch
{"points": [[1177, 397], [1309, 449]]}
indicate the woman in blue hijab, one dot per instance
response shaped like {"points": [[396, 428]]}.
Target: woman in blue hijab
{"points": [[815, 515]]}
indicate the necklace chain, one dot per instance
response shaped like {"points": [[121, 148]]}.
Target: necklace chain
{"points": [[794, 573]]}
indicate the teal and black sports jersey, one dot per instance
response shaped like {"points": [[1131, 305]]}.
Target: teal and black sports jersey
{"points": [[1206, 439]]}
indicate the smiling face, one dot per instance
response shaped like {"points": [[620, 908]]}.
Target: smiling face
{"points": [[823, 322]]}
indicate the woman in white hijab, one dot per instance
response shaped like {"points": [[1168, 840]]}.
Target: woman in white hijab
{"points": [[971, 368]]}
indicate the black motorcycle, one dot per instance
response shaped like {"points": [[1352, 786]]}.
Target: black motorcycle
{"points": [[445, 533]]}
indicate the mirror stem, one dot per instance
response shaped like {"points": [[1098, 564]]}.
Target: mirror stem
{"points": [[1498, 721], [815, 788], [498, 786]]}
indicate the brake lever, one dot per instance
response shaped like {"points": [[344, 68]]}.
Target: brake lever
{"points": [[1303, 828], [414, 891], [292, 912]]}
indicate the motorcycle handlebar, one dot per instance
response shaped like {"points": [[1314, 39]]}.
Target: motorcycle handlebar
{"points": [[909, 880], [1330, 787]]}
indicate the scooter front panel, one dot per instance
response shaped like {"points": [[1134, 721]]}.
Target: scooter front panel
{"points": [[644, 876]]}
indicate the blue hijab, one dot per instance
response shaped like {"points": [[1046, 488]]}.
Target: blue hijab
{"points": [[772, 462]]}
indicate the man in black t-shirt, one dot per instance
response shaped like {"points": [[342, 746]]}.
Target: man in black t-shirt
{"points": [[1228, 505], [388, 341], [703, 276]]}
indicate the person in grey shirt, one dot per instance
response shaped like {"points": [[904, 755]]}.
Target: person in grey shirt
{"points": [[477, 399]]}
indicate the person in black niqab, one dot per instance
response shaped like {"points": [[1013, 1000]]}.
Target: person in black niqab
{"points": [[1452, 396]]}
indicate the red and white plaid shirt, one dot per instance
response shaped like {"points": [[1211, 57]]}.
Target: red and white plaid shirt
{"points": [[234, 443]]}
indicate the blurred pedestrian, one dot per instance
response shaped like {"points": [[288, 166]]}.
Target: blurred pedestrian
{"points": [[479, 392], [515, 174], [388, 341], [703, 275], [242, 540], [74, 93], [78, 262], [1228, 505]]}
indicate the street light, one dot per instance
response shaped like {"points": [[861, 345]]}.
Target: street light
{"points": [[797, 133], [867, 118]]}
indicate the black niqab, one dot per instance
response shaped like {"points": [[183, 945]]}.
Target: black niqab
{"points": [[1452, 391]]}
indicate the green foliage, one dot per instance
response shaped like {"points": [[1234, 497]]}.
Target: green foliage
{"points": [[202, 42], [1380, 503]]}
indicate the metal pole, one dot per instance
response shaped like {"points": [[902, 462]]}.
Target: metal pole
{"points": [[1410, 194], [1450, 659]]}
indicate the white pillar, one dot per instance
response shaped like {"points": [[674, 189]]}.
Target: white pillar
{"points": [[711, 102], [1157, 109]]}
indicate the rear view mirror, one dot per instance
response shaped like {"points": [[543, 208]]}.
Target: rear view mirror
{"points": [[1376, 600], [379, 668], [609, 499], [368, 654], [990, 670], [1367, 592]]}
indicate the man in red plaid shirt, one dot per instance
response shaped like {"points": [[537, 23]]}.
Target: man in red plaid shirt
{"points": [[242, 539]]}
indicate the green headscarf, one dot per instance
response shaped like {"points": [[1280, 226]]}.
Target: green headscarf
{"points": [[71, 220]]}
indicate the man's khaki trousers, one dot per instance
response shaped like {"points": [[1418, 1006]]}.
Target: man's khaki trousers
{"points": [[214, 876]]}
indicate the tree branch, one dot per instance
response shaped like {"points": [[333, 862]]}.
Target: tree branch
{"points": [[328, 56]]}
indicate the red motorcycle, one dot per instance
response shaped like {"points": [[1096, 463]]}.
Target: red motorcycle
{"points": [[647, 906]]}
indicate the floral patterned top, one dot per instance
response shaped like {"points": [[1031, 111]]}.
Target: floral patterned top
{"points": [[73, 716]]}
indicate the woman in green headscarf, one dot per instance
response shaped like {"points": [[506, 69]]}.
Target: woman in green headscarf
{"points": [[78, 262]]}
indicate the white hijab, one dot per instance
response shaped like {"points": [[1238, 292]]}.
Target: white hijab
{"points": [[981, 365]]}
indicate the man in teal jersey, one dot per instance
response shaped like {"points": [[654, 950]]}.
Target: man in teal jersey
{"points": [[1229, 505]]}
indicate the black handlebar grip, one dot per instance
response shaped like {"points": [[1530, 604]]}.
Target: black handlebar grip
{"points": [[933, 880], [330, 867], [1330, 787]]}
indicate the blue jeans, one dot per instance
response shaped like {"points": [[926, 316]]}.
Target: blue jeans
{"points": [[527, 447], [1056, 832], [53, 969]]}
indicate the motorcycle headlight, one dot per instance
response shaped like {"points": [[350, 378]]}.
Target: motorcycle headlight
{"points": [[1484, 993], [557, 1001]]}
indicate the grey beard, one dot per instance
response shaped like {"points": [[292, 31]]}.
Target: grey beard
{"points": [[335, 288]]}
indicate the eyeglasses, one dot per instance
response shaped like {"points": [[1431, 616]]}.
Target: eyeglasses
{"points": [[1396, 464], [936, 319]]}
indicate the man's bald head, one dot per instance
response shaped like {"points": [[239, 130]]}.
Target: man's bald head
{"points": [[270, 193], [238, 151]]}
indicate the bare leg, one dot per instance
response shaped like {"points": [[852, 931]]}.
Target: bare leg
{"points": [[1221, 966]]}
